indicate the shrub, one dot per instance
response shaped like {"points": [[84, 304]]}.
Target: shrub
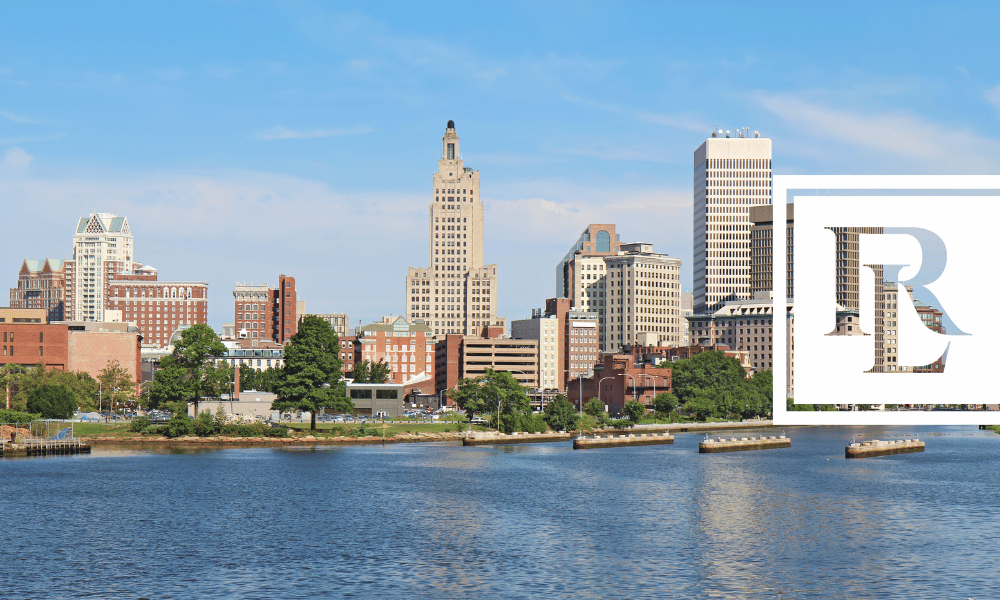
{"points": [[16, 416], [180, 425], [140, 424], [155, 430]]}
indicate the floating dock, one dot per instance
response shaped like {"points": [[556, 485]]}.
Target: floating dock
{"points": [[630, 439], [882, 448], [43, 447], [763, 442], [487, 438]]}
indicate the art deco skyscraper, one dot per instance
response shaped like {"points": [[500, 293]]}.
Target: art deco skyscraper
{"points": [[457, 292], [731, 174]]}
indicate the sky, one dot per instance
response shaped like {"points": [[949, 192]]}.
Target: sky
{"points": [[244, 140]]}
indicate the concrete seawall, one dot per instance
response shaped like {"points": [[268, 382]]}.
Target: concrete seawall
{"points": [[486, 438], [630, 439], [871, 448], [746, 443]]}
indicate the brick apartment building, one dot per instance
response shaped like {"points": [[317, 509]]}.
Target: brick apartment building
{"points": [[264, 312]]}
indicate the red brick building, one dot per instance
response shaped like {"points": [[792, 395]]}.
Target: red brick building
{"points": [[68, 346], [41, 284], [264, 312], [157, 308], [618, 379], [408, 348]]}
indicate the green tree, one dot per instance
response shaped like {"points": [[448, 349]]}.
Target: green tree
{"points": [[634, 411], [81, 385], [367, 371], [188, 373], [492, 393], [664, 403], [9, 374], [594, 408], [560, 414], [116, 385], [52, 401], [312, 377], [704, 371]]}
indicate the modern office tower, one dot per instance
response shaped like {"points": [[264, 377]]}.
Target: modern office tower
{"points": [[263, 312], [41, 284], [732, 172], [457, 292], [102, 249], [580, 275], [643, 298]]}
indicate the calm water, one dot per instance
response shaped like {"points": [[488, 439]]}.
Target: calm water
{"points": [[534, 521]]}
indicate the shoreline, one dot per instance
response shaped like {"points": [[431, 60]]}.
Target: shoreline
{"points": [[309, 440]]}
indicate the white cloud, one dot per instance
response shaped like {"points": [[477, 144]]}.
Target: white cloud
{"points": [[993, 96], [682, 121], [898, 136], [30, 139], [168, 75], [17, 118], [283, 133], [16, 161]]}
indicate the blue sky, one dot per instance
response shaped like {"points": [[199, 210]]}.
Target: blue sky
{"points": [[247, 139]]}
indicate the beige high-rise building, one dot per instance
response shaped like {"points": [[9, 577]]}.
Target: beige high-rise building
{"points": [[102, 249], [457, 292], [732, 172], [643, 298]]}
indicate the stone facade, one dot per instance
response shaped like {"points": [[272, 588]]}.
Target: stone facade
{"points": [[457, 292]]}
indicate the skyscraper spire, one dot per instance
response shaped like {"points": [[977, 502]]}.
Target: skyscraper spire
{"points": [[456, 293]]}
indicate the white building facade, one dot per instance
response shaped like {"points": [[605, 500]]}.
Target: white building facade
{"points": [[732, 172]]}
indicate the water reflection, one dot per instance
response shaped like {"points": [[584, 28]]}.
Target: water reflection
{"points": [[526, 521]]}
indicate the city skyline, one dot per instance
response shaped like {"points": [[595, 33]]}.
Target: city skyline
{"points": [[283, 140]]}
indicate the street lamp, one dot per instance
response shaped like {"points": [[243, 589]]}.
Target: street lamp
{"points": [[633, 390], [599, 387], [579, 378]]}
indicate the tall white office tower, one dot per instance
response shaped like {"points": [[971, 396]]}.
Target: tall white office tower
{"points": [[732, 172]]}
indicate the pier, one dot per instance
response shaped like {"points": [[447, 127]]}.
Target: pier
{"points": [[486, 438], [43, 447], [630, 439], [882, 448], [763, 442]]}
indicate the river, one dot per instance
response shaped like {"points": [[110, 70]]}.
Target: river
{"points": [[534, 521]]}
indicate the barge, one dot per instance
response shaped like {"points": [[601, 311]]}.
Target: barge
{"points": [[763, 442], [486, 438], [630, 439], [871, 448]]}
